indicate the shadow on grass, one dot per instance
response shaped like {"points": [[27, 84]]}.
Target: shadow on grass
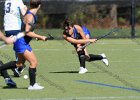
{"points": [[8, 87], [70, 72]]}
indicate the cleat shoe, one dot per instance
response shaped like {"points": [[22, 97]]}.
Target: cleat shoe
{"points": [[10, 82], [82, 70], [35, 87], [104, 60]]}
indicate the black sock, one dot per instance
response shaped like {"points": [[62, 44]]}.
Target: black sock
{"points": [[95, 57], [82, 61], [82, 58], [32, 76]]}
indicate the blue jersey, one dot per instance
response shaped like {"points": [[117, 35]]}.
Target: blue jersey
{"points": [[86, 31], [22, 44], [78, 36]]}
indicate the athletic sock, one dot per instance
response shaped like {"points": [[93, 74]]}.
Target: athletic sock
{"points": [[82, 60], [32, 76], [95, 57]]}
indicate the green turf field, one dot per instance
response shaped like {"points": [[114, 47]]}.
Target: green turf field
{"points": [[58, 72]]}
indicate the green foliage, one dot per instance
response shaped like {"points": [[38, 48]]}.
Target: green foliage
{"points": [[138, 14]]}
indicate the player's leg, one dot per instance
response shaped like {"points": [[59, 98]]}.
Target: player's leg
{"points": [[82, 60], [31, 58], [3, 71], [20, 64], [8, 34], [101, 57], [16, 74]]}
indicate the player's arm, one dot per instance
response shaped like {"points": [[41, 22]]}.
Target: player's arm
{"points": [[80, 31], [79, 41], [8, 40], [29, 19]]}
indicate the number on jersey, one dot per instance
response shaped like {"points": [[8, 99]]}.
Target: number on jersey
{"points": [[8, 7]]}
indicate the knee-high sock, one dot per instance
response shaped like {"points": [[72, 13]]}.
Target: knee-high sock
{"points": [[95, 57], [82, 61], [32, 76], [82, 58]]}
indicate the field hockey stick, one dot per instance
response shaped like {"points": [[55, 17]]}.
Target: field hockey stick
{"points": [[103, 36], [50, 37]]}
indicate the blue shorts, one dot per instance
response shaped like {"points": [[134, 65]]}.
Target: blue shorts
{"points": [[21, 45], [12, 32]]}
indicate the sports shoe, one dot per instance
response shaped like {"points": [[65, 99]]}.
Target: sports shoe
{"points": [[35, 87], [10, 82], [82, 70], [104, 60]]}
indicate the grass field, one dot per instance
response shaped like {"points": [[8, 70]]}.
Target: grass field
{"points": [[58, 72]]}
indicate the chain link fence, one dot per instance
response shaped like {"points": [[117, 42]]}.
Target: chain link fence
{"points": [[98, 15]]}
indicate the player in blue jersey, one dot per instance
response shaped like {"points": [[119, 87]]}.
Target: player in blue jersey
{"points": [[78, 36], [24, 50]]}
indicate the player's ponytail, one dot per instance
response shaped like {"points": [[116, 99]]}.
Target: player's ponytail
{"points": [[35, 3]]}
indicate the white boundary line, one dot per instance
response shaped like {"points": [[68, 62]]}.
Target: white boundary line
{"points": [[116, 43], [83, 98], [56, 49]]}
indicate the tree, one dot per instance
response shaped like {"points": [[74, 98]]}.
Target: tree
{"points": [[113, 15]]}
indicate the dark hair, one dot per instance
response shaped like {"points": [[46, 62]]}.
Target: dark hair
{"points": [[34, 3], [66, 26], [67, 23]]}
